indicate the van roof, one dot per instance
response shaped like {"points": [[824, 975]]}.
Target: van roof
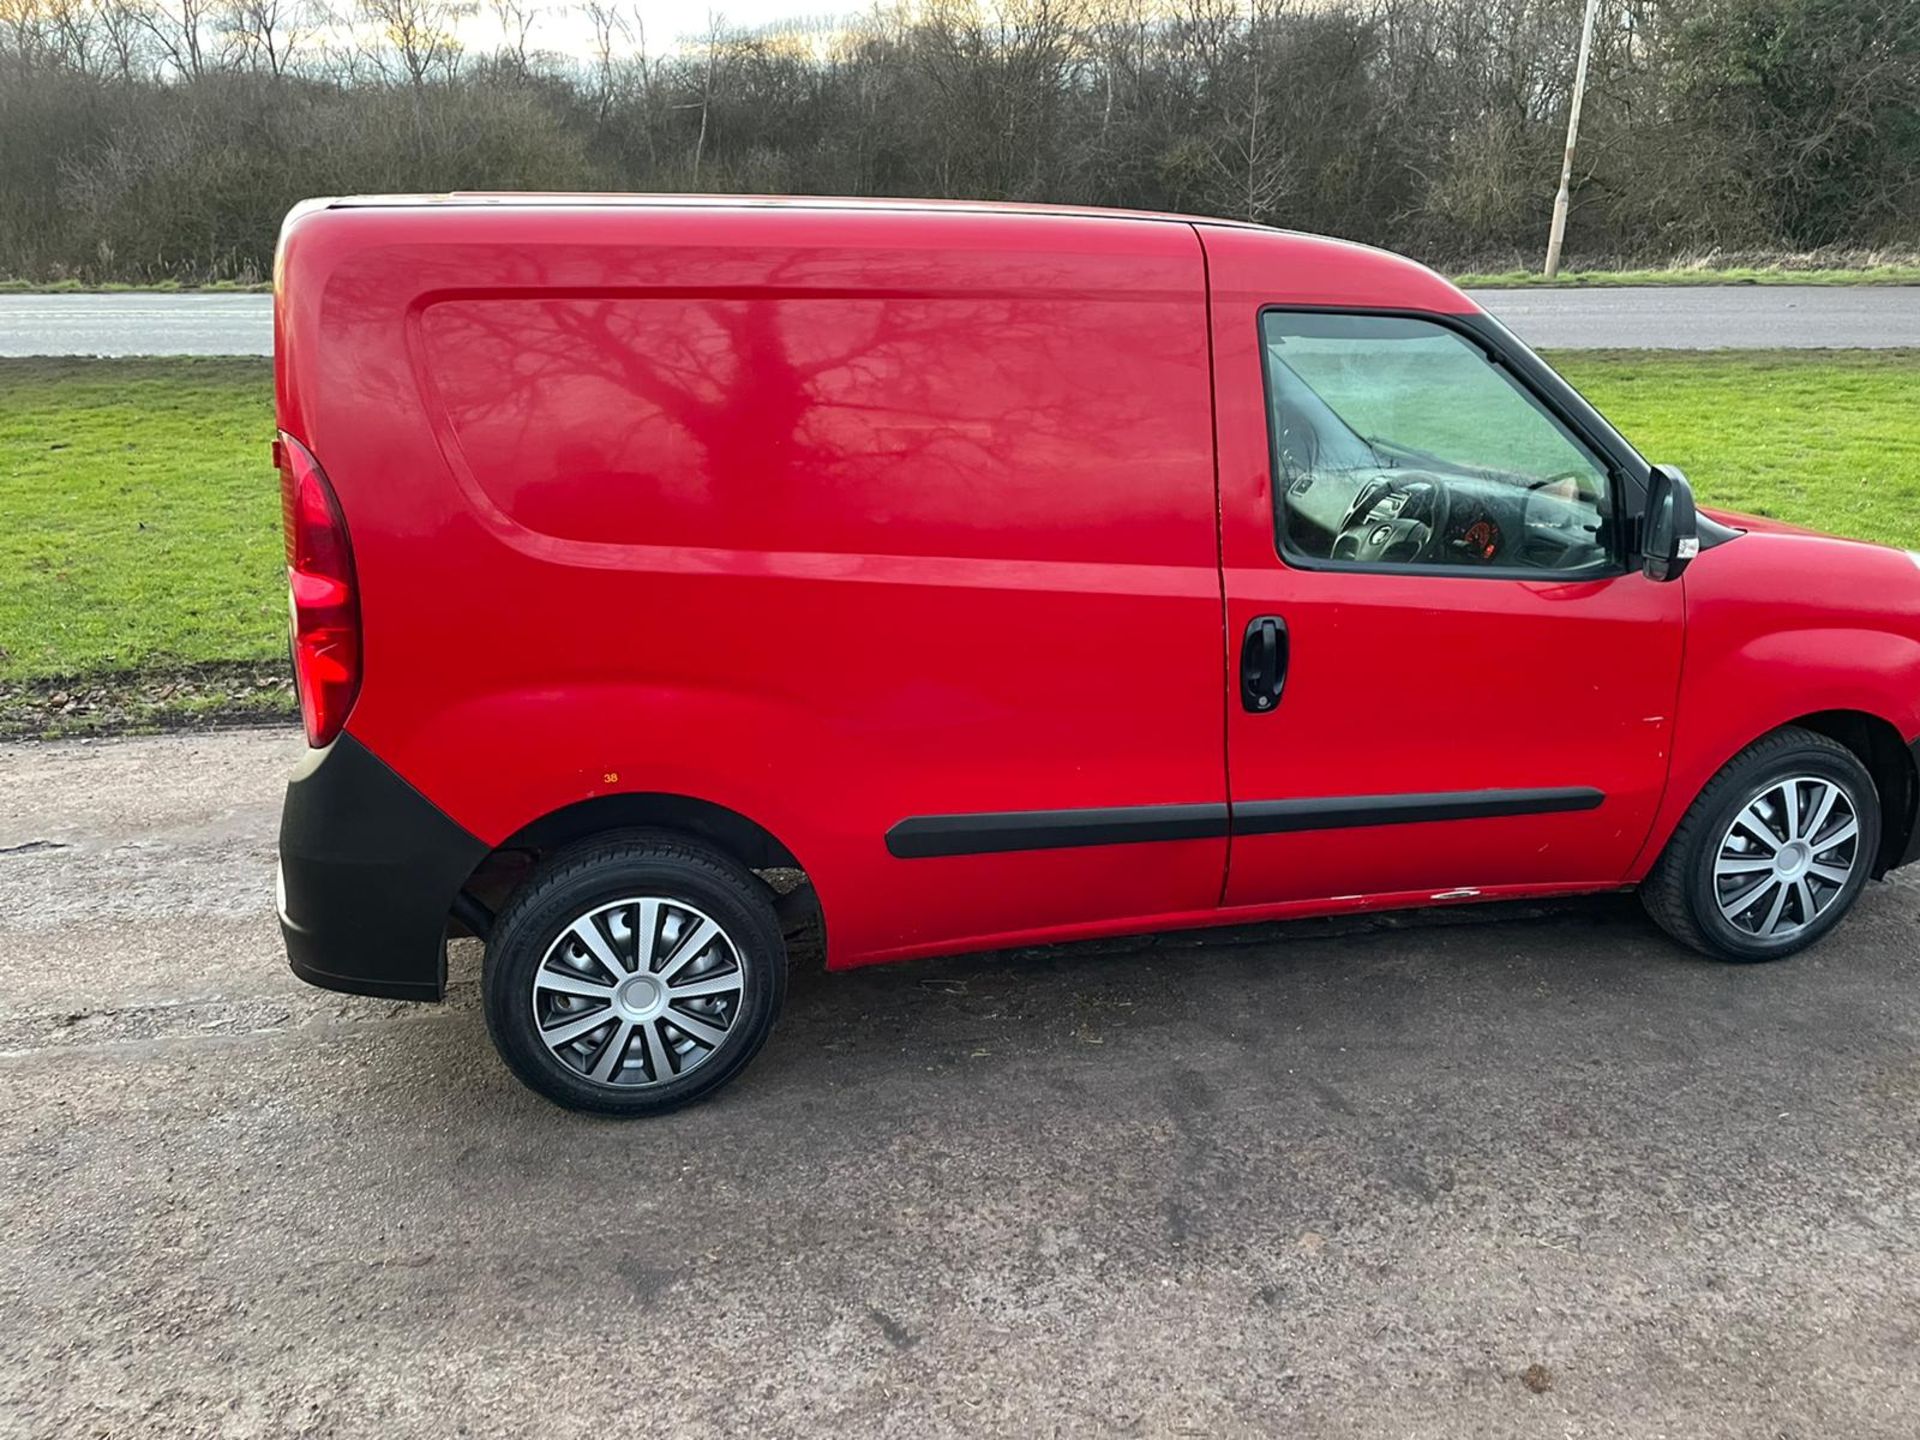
{"points": [[535, 199], [1361, 270]]}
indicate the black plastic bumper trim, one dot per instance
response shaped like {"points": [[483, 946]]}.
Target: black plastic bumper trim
{"points": [[366, 985], [926, 836], [369, 871]]}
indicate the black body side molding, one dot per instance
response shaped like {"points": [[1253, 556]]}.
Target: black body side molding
{"points": [[926, 836], [1277, 817]]}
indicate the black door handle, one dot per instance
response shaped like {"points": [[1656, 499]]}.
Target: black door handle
{"points": [[1263, 663]]}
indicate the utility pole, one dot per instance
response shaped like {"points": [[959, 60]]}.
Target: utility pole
{"points": [[1559, 231]]}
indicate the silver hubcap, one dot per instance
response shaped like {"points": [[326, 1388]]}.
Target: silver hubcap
{"points": [[638, 992], [1787, 857]]}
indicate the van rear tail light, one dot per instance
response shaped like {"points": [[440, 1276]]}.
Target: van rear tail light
{"points": [[325, 603]]}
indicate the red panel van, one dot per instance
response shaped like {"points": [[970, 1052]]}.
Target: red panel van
{"points": [[1017, 575]]}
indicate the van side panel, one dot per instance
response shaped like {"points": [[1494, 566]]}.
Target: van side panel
{"points": [[835, 520]]}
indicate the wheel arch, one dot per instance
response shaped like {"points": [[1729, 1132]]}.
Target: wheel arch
{"points": [[1874, 740], [734, 834], [1879, 746], [745, 839]]}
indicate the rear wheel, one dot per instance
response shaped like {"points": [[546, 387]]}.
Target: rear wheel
{"points": [[1773, 853], [634, 975]]}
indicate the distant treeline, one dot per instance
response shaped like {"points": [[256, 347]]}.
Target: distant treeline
{"points": [[150, 139]]}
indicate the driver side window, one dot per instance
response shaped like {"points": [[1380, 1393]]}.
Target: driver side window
{"points": [[1397, 442]]}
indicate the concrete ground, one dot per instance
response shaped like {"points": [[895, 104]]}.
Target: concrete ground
{"points": [[1538, 1173], [1707, 317]]}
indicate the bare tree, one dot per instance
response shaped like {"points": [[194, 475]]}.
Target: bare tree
{"points": [[120, 31], [610, 30], [1425, 125], [420, 34], [516, 19], [714, 22], [71, 34], [268, 32], [1256, 151], [187, 35], [643, 74]]}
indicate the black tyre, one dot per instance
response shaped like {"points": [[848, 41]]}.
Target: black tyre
{"points": [[1772, 854], [635, 974]]}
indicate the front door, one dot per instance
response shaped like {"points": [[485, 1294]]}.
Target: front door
{"points": [[1446, 679]]}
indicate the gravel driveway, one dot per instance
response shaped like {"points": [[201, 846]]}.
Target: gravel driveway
{"points": [[1534, 1174]]}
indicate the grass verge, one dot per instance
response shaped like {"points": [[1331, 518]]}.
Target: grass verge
{"points": [[140, 551], [1516, 279], [1731, 275], [139, 541], [143, 287]]}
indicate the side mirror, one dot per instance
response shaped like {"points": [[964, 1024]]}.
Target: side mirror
{"points": [[1669, 531]]}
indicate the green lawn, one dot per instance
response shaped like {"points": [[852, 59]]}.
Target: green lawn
{"points": [[139, 510], [1824, 438], [139, 515]]}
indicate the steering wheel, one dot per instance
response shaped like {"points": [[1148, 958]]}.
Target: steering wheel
{"points": [[1393, 523]]}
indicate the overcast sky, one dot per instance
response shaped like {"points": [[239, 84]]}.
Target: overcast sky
{"points": [[669, 23]]}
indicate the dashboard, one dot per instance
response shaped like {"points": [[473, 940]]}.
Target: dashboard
{"points": [[1427, 517]]}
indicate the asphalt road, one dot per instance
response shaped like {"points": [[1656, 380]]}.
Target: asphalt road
{"points": [[1546, 1176], [134, 324], [1711, 317], [1707, 317]]}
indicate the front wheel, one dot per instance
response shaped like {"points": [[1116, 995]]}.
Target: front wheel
{"points": [[634, 975], [1773, 853]]}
